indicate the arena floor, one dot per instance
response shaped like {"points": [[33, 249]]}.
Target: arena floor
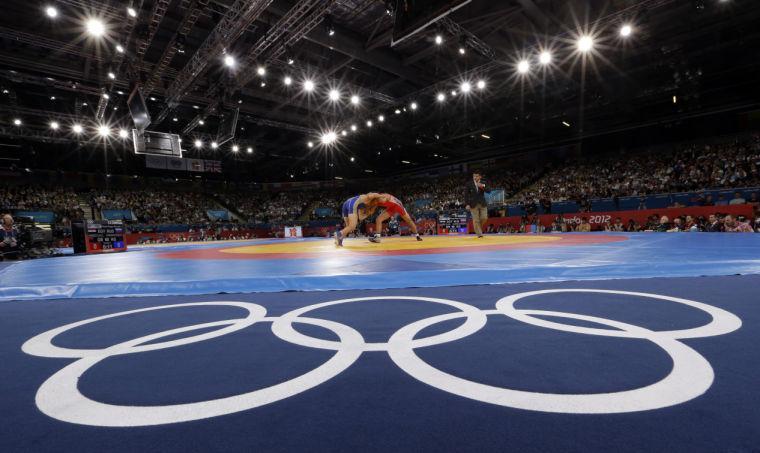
{"points": [[575, 342]]}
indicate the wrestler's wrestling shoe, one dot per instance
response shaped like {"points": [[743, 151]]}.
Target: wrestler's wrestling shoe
{"points": [[419, 238], [338, 239], [375, 239]]}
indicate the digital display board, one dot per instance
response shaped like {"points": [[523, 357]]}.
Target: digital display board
{"points": [[99, 236]]}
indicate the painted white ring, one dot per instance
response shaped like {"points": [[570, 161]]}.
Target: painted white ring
{"points": [[42, 345], [723, 322], [690, 377], [59, 396], [283, 327]]}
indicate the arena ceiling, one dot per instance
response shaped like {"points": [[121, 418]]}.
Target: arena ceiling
{"points": [[681, 59]]}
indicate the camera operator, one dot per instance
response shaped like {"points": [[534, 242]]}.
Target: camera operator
{"points": [[8, 238]]}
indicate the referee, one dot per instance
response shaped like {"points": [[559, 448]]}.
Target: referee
{"points": [[475, 201]]}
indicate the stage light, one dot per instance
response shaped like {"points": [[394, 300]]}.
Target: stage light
{"points": [[84, 104], [352, 159], [308, 85], [329, 138], [95, 27], [77, 129], [397, 112], [120, 92], [545, 57], [229, 61], [566, 124], [52, 98], [487, 137], [111, 75], [201, 122], [249, 150], [263, 84], [344, 132], [106, 96], [235, 148], [330, 31], [104, 131], [287, 80], [441, 97], [523, 67], [369, 123], [152, 98], [626, 30], [353, 128], [17, 122], [381, 118], [465, 87], [355, 100], [291, 61], [175, 119], [453, 92], [214, 145], [438, 39], [54, 125], [51, 12], [413, 106], [261, 70], [119, 48], [481, 84], [131, 11], [585, 43], [462, 51], [310, 144], [334, 95], [198, 144], [123, 133]]}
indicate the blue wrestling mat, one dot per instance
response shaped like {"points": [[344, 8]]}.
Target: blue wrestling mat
{"points": [[316, 265], [656, 365], [407, 346]]}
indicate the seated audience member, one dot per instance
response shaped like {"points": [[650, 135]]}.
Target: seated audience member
{"points": [[584, 227], [709, 200], [714, 225], [8, 238], [690, 224], [677, 226], [732, 225], [754, 200], [663, 225], [632, 226], [721, 201], [618, 225], [738, 199]]}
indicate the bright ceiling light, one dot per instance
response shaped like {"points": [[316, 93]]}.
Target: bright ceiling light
{"points": [[17, 122], [261, 70], [104, 130], [131, 11], [353, 127], [585, 43], [329, 138], [229, 61], [119, 48], [355, 100], [545, 57], [308, 85], [397, 112], [381, 118], [438, 39], [235, 148], [214, 145], [462, 51], [198, 144], [369, 123], [95, 27], [54, 125], [249, 150], [626, 30], [465, 87], [51, 12], [77, 129], [287, 80], [441, 97], [123, 133], [344, 132], [310, 144], [334, 95], [481, 84], [523, 67], [413, 106], [111, 75], [201, 122]]}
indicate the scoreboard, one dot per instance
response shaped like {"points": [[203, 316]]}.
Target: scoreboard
{"points": [[452, 223], [99, 236]]}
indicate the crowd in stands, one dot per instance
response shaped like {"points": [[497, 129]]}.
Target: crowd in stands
{"points": [[263, 207], [156, 207], [735, 163], [63, 201]]}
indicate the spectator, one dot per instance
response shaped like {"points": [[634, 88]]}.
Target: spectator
{"points": [[738, 199], [584, 227], [721, 201], [663, 225], [733, 226], [8, 238], [714, 225]]}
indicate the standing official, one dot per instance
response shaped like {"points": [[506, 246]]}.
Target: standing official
{"points": [[475, 201]]}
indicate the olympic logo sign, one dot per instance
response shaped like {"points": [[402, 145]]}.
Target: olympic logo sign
{"points": [[690, 377]]}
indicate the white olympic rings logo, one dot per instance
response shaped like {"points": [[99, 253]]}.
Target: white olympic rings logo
{"points": [[691, 375]]}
